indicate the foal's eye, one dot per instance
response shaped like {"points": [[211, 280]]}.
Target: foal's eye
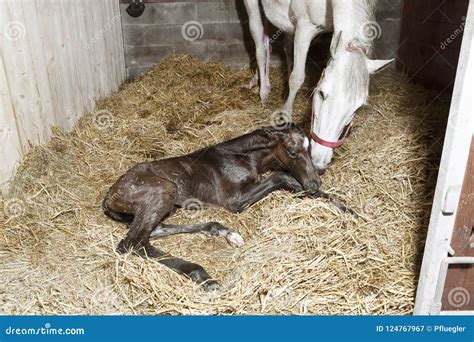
{"points": [[322, 95], [292, 153]]}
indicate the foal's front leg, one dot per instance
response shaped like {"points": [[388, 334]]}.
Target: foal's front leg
{"points": [[211, 228], [255, 192]]}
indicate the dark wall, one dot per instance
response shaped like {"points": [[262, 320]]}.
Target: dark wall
{"points": [[220, 31], [431, 38]]}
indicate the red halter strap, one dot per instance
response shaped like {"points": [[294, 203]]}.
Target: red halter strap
{"points": [[331, 144]]}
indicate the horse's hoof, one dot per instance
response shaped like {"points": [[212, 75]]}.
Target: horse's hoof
{"points": [[264, 95], [210, 286], [235, 239]]}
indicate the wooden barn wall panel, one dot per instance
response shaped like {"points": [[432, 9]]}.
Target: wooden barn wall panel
{"points": [[431, 36], [57, 58]]}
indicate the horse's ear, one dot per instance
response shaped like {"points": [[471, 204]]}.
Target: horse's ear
{"points": [[356, 46], [336, 43], [375, 65]]}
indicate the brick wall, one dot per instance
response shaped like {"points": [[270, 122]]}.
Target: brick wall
{"points": [[216, 30]]}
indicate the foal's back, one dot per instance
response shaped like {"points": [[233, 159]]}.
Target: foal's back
{"points": [[235, 161]]}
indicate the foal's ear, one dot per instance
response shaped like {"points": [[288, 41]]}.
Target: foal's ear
{"points": [[376, 65], [278, 134]]}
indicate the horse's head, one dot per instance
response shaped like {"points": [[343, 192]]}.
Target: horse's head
{"points": [[342, 89], [292, 151]]}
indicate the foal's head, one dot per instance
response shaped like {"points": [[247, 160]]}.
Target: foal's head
{"points": [[291, 150], [342, 89]]}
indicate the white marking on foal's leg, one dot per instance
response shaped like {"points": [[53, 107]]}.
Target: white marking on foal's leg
{"points": [[306, 143], [235, 239]]}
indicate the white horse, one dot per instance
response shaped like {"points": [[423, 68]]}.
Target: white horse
{"points": [[344, 84]]}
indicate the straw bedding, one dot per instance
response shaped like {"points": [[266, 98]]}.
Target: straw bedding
{"points": [[302, 256]]}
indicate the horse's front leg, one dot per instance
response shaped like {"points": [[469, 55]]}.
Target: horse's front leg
{"points": [[255, 192], [262, 48], [304, 34]]}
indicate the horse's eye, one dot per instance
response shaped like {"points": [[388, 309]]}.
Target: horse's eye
{"points": [[322, 95]]}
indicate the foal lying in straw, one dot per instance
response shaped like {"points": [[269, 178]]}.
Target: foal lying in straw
{"points": [[234, 174]]}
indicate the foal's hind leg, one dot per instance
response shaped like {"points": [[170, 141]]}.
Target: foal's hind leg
{"points": [[255, 192], [194, 271], [157, 198], [211, 228]]}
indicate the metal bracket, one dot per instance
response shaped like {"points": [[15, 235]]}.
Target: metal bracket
{"points": [[443, 271], [450, 200]]}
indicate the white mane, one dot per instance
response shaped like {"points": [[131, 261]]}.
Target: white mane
{"points": [[364, 20]]}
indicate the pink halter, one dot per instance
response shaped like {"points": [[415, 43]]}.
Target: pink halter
{"points": [[331, 144]]}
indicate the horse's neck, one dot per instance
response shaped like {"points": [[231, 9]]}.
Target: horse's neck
{"points": [[352, 20]]}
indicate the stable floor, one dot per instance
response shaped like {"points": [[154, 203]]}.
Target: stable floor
{"points": [[302, 256]]}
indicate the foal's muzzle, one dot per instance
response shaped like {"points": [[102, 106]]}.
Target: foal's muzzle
{"points": [[312, 187]]}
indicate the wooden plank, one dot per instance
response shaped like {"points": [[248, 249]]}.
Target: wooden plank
{"points": [[19, 75], [10, 153], [121, 52], [458, 293]]}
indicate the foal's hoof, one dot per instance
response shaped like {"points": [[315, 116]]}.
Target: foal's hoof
{"points": [[235, 239], [210, 286], [123, 247]]}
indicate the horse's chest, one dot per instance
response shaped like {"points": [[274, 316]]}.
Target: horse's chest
{"points": [[285, 14], [278, 13]]}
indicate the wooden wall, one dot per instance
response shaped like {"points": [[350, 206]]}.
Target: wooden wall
{"points": [[430, 41], [57, 57], [460, 278]]}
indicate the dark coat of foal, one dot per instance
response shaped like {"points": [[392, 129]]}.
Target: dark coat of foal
{"points": [[233, 174]]}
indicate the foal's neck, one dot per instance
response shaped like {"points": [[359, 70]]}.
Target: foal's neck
{"points": [[259, 146]]}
